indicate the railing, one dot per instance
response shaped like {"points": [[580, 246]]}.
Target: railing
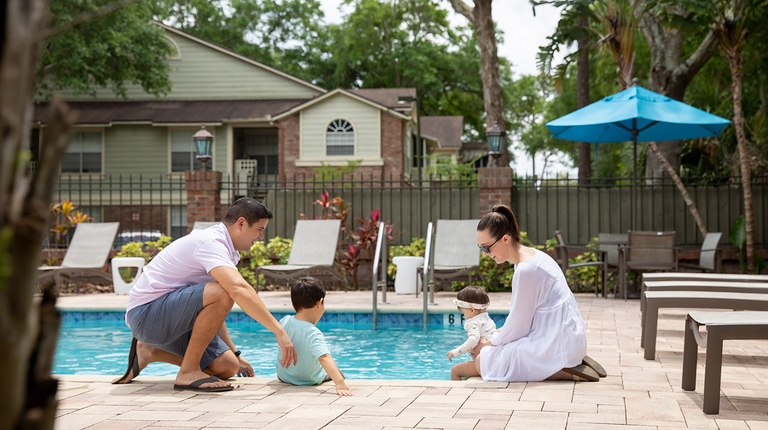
{"points": [[379, 271], [428, 266], [603, 205]]}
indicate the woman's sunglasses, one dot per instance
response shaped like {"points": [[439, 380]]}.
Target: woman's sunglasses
{"points": [[487, 249]]}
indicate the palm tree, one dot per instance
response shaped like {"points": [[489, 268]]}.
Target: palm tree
{"points": [[732, 33]]}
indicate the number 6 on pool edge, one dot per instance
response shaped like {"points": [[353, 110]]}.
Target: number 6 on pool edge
{"points": [[450, 319]]}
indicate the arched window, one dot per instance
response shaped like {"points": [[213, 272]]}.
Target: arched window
{"points": [[340, 138]]}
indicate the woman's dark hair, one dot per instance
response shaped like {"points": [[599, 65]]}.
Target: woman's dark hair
{"points": [[247, 208], [500, 221], [474, 294], [306, 292]]}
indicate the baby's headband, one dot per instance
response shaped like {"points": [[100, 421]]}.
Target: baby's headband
{"points": [[463, 304]]}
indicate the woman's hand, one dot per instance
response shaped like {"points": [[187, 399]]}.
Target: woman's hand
{"points": [[245, 367], [480, 345]]}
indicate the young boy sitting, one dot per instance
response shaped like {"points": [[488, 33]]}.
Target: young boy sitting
{"points": [[315, 364]]}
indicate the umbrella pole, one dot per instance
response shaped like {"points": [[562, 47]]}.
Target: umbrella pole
{"points": [[634, 176]]}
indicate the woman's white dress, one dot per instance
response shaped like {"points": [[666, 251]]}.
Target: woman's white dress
{"points": [[544, 331]]}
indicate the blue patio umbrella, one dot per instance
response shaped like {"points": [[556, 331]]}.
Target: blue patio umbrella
{"points": [[638, 115]]}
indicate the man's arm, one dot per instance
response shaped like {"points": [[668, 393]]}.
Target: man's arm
{"points": [[333, 371], [245, 367], [250, 302]]}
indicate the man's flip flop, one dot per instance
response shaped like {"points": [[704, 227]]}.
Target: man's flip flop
{"points": [[133, 362], [591, 362], [582, 371], [196, 386]]}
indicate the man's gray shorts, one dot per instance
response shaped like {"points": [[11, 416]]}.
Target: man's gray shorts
{"points": [[167, 322]]}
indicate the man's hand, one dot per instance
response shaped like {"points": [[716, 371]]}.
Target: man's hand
{"points": [[286, 346], [450, 355], [343, 390], [480, 345], [245, 367]]}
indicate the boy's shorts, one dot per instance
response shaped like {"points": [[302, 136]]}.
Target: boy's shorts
{"points": [[167, 322]]}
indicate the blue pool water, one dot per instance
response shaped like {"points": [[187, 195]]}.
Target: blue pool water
{"points": [[98, 345]]}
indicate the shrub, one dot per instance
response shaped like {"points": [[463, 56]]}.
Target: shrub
{"points": [[262, 254]]}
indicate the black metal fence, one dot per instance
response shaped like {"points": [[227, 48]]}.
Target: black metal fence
{"points": [[406, 203], [605, 206], [141, 203]]}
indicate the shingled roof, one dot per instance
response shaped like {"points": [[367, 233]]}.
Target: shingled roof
{"points": [[167, 112], [446, 130], [387, 96]]}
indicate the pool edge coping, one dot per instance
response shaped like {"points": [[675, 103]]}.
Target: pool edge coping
{"points": [[153, 380]]}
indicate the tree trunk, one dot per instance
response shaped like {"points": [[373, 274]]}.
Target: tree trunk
{"points": [[481, 18], [734, 61], [27, 331], [681, 187], [670, 76], [582, 98]]}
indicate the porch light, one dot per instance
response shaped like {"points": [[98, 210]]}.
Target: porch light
{"points": [[497, 139], [204, 143]]}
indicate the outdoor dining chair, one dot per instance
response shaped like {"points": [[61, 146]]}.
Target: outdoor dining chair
{"points": [[86, 255], [562, 257], [312, 253], [709, 256], [647, 251], [609, 243]]}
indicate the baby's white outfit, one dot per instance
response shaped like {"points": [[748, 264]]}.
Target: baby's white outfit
{"points": [[478, 327]]}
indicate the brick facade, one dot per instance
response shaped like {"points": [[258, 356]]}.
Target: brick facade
{"points": [[203, 197], [495, 186], [138, 218], [392, 151], [392, 145]]}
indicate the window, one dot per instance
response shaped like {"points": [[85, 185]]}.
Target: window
{"points": [[262, 145], [183, 152], [178, 221], [340, 138], [83, 154]]}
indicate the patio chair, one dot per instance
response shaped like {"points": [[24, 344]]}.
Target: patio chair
{"points": [[561, 256], [647, 251], [202, 225], [610, 242], [454, 252], [86, 256], [313, 251], [709, 256]]}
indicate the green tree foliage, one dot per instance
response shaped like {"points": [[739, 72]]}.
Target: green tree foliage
{"points": [[123, 46]]}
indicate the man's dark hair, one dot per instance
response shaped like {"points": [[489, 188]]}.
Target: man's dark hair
{"points": [[305, 293], [474, 294], [247, 208]]}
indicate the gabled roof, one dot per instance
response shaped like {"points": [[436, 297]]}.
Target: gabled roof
{"points": [[234, 54], [446, 130], [388, 96], [330, 94]]}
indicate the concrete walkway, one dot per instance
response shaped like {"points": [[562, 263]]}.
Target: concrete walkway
{"points": [[637, 394]]}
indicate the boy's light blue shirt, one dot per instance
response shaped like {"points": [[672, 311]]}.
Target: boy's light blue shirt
{"points": [[310, 345]]}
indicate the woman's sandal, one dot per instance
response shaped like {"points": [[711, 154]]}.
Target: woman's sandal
{"points": [[591, 362]]}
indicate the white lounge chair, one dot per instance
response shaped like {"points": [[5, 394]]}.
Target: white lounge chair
{"points": [[87, 254], [454, 252], [313, 252]]}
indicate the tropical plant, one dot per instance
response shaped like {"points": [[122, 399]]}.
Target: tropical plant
{"points": [[261, 254], [65, 218], [363, 240], [332, 208]]}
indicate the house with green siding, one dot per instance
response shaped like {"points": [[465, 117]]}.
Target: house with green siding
{"points": [[267, 125]]}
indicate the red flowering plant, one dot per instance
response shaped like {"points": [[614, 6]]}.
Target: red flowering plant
{"points": [[364, 239], [333, 208]]}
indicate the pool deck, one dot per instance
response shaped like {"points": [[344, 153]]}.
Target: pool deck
{"points": [[636, 394]]}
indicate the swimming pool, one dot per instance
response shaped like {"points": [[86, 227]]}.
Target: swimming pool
{"points": [[97, 343]]}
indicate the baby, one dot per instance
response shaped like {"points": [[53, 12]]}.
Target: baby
{"points": [[471, 301]]}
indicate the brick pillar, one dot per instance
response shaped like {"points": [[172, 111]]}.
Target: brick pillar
{"points": [[203, 197], [495, 186]]}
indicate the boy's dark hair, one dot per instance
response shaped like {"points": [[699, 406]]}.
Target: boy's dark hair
{"points": [[474, 294], [248, 208], [305, 293]]}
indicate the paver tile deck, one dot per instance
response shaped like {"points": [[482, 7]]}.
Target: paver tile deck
{"points": [[637, 394]]}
